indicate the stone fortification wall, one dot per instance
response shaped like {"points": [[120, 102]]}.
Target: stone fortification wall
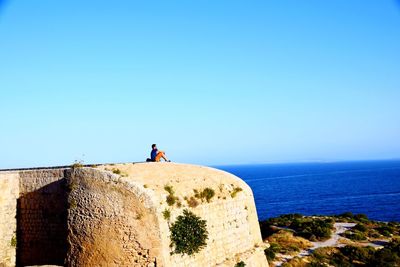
{"points": [[232, 223], [110, 223], [42, 217], [9, 190], [114, 215]]}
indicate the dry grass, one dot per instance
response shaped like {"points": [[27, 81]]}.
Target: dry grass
{"points": [[288, 242], [192, 202], [296, 262]]}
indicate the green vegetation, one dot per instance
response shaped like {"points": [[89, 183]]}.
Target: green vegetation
{"points": [[366, 228], [119, 172], [355, 235], [283, 241], [169, 189], [167, 214], [358, 256], [188, 233], [235, 191], [72, 204], [207, 194], [71, 186], [77, 164], [271, 251], [240, 264], [171, 198], [387, 230], [116, 171], [360, 227], [13, 241], [314, 229], [310, 228], [284, 233], [354, 218]]}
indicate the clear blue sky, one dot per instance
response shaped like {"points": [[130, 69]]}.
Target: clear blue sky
{"points": [[211, 82]]}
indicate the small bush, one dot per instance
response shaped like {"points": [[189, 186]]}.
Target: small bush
{"points": [[77, 164], [235, 191], [271, 251], [208, 194], [188, 233], [13, 241], [360, 254], [240, 264], [312, 229], [361, 217], [355, 235], [169, 189], [116, 171], [348, 215], [293, 247], [167, 214], [385, 230], [360, 227], [171, 200]]}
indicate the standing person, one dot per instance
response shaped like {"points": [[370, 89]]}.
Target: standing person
{"points": [[156, 155]]}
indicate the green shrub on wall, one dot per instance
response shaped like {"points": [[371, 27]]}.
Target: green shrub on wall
{"points": [[240, 264], [188, 233], [13, 242], [207, 194]]}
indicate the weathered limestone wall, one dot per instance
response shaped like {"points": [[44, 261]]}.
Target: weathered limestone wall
{"points": [[231, 238], [232, 223], [110, 222], [9, 190], [113, 216], [42, 217]]}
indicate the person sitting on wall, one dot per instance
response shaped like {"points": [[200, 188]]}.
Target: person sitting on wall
{"points": [[156, 156]]}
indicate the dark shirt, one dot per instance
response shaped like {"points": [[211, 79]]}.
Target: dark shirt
{"points": [[153, 154]]}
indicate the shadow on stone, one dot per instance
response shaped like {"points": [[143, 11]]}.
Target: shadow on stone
{"points": [[42, 225]]}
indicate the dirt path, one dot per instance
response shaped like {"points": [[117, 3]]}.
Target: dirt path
{"points": [[340, 228], [331, 242]]}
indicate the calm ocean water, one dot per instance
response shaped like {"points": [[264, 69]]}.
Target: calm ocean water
{"points": [[369, 187]]}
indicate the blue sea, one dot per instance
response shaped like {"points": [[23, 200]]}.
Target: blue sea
{"points": [[369, 187]]}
